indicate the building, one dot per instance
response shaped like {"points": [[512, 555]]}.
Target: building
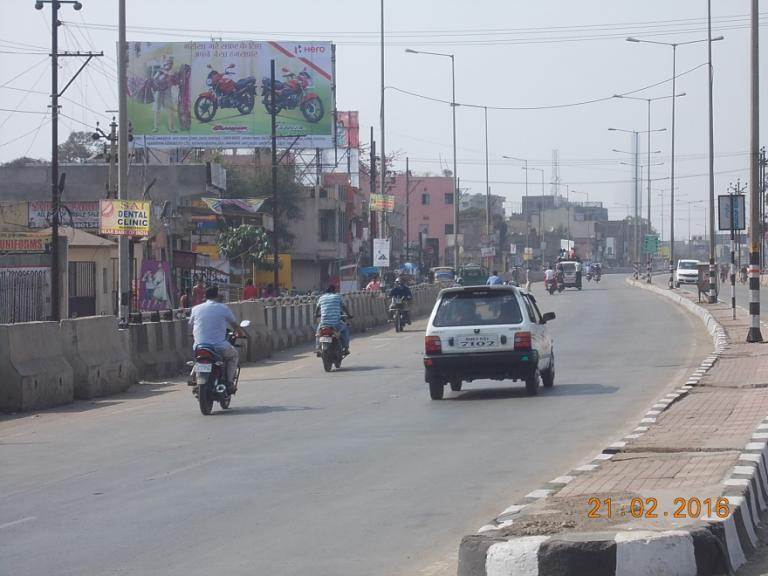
{"points": [[478, 202]]}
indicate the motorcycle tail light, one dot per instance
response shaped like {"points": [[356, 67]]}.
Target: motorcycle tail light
{"points": [[432, 345], [203, 355], [523, 341], [325, 331]]}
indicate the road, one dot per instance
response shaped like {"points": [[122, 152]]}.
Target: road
{"points": [[355, 472]]}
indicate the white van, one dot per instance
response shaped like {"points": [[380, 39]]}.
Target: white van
{"points": [[687, 272]]}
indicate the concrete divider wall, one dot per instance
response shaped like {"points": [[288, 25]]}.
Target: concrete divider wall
{"points": [[34, 373], [98, 355]]}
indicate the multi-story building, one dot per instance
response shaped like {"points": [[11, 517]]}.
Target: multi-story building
{"points": [[478, 202]]}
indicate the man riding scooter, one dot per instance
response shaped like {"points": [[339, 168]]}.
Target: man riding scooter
{"points": [[330, 308], [549, 279], [400, 290]]}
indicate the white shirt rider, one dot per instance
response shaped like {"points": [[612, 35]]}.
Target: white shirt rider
{"points": [[549, 274]]}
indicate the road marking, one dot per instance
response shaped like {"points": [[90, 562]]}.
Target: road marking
{"points": [[17, 522], [295, 369], [185, 468]]}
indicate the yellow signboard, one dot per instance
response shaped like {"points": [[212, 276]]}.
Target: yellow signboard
{"points": [[382, 203], [124, 217], [284, 274]]}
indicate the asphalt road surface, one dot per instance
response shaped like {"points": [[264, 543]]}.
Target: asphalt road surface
{"points": [[354, 472]]}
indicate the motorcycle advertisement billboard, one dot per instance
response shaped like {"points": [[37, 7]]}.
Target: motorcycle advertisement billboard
{"points": [[217, 94]]}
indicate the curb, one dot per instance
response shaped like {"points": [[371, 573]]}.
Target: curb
{"points": [[717, 546]]}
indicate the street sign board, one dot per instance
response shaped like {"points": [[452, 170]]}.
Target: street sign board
{"points": [[528, 253], [513, 248], [650, 244], [731, 212], [381, 252], [487, 251]]}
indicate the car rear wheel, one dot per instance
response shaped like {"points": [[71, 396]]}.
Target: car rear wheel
{"points": [[436, 389], [548, 375], [456, 385], [532, 383]]}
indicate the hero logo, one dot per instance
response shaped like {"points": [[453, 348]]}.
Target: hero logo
{"points": [[311, 49]]}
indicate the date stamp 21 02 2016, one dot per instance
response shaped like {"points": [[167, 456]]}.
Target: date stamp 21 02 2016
{"points": [[647, 508]]}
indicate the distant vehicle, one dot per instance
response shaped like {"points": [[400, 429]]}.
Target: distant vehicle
{"points": [[473, 275], [443, 275], [494, 332], [687, 272], [570, 278]]}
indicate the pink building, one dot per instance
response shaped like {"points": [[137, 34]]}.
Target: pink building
{"points": [[430, 213]]}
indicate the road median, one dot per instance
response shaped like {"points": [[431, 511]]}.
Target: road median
{"points": [[681, 494]]}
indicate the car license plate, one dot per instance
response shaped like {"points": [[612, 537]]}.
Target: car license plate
{"points": [[325, 339], [203, 367], [475, 342]]}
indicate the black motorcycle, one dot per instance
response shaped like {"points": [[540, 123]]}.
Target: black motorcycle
{"points": [[207, 377], [224, 92], [397, 313], [329, 346]]}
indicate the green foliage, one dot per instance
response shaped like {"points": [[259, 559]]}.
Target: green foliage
{"points": [[78, 148], [25, 161], [247, 243]]}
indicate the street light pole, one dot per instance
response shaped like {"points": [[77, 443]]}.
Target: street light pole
{"points": [[712, 266], [754, 334], [455, 170]]}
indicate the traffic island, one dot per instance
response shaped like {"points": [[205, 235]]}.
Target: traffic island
{"points": [[681, 494]]}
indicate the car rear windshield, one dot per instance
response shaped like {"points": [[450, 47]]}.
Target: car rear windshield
{"points": [[569, 267], [687, 265], [478, 309]]}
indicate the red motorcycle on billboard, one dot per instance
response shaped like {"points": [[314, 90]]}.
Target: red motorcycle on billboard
{"points": [[224, 92], [293, 93]]}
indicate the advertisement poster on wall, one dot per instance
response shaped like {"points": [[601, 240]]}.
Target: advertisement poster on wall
{"points": [[82, 215], [155, 286], [216, 94], [124, 217]]}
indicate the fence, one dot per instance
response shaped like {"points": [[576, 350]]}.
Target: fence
{"points": [[24, 294]]}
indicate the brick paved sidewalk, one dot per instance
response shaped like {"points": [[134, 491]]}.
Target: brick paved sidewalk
{"points": [[689, 450]]}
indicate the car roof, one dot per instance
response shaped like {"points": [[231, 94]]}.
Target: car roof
{"points": [[480, 289]]}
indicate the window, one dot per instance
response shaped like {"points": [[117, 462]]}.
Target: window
{"points": [[478, 309], [449, 228], [425, 199], [327, 225], [424, 229], [448, 198], [531, 312]]}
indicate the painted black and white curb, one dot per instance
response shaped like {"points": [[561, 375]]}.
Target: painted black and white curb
{"points": [[716, 546]]}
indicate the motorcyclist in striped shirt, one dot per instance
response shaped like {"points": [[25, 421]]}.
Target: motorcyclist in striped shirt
{"points": [[330, 308]]}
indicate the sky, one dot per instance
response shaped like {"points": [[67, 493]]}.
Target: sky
{"points": [[526, 56]]}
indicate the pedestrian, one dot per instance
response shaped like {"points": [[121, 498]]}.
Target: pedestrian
{"points": [[494, 279], [374, 285], [184, 300], [250, 292], [270, 292], [198, 292]]}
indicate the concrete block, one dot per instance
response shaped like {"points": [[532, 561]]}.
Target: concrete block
{"points": [[98, 354], [34, 373]]}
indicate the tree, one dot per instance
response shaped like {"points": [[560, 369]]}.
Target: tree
{"points": [[25, 161], [249, 244], [78, 148], [259, 185]]}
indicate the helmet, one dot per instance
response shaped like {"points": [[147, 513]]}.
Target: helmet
{"points": [[398, 280]]}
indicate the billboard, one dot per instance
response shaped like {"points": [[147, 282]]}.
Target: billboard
{"points": [[216, 94], [381, 252], [155, 288], [731, 212], [24, 242], [83, 215], [382, 202], [124, 217], [347, 130]]}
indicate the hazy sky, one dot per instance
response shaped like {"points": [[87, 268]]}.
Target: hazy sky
{"points": [[509, 53]]}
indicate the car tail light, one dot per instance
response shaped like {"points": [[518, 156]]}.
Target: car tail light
{"points": [[523, 341], [432, 345], [326, 331]]}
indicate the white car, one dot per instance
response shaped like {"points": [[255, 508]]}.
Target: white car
{"points": [[687, 272], [494, 332]]}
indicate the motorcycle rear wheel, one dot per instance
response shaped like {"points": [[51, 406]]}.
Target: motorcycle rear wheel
{"points": [[205, 108], [205, 400], [313, 110], [245, 106], [327, 363]]}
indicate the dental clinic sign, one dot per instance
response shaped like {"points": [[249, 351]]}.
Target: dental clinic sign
{"points": [[124, 218]]}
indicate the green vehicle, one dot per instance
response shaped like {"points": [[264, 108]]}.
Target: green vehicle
{"points": [[473, 275]]}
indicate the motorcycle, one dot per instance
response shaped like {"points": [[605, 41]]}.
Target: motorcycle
{"points": [[224, 92], [207, 377], [560, 279], [329, 345], [397, 313], [550, 285], [589, 276], [291, 93]]}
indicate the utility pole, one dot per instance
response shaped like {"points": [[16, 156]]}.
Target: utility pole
{"points": [[487, 187], [712, 266], [373, 191], [123, 242], [273, 116], [754, 334], [763, 184], [383, 145], [407, 209], [57, 184]]}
